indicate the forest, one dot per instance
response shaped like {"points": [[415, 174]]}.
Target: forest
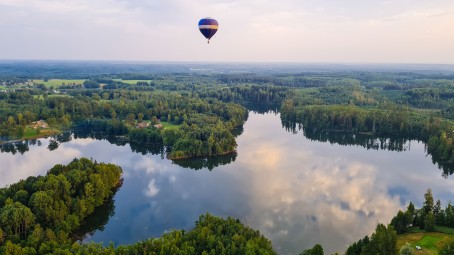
{"points": [[42, 212]]}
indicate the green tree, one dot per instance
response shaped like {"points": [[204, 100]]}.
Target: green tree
{"points": [[12, 249], [429, 222], [2, 236], [316, 250], [154, 120], [406, 250], [16, 218], [140, 117], [410, 213], [20, 119], [429, 202], [130, 118], [382, 242], [400, 222]]}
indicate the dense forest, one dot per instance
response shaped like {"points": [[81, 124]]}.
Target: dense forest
{"points": [[42, 212]]}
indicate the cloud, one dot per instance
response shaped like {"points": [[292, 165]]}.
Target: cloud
{"points": [[152, 190], [33, 163], [250, 30]]}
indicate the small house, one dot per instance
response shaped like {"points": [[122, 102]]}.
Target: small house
{"points": [[39, 124], [143, 124]]}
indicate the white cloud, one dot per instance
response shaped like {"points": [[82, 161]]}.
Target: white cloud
{"points": [[33, 163], [152, 190]]}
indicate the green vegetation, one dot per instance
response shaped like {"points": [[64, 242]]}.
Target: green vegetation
{"points": [[30, 133], [415, 228], [430, 242], [316, 250], [56, 83], [42, 215], [132, 82], [168, 125], [204, 124]]}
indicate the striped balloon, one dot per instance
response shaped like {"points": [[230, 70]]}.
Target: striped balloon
{"points": [[208, 27]]}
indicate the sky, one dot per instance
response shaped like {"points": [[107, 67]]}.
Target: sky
{"points": [[333, 31]]}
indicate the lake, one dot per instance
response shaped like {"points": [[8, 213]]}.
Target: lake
{"points": [[296, 191]]}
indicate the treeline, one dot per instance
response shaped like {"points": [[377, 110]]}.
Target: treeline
{"points": [[248, 93], [40, 213], [211, 236], [390, 120], [441, 147], [383, 120], [428, 218]]}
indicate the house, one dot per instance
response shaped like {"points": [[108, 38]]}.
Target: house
{"points": [[39, 124], [143, 124], [158, 126]]}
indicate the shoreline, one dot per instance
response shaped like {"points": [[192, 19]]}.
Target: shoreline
{"points": [[202, 156], [38, 136]]}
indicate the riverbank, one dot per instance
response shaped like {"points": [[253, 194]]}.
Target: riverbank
{"points": [[31, 134], [202, 156]]}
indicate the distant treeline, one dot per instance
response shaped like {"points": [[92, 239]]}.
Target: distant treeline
{"points": [[402, 122]]}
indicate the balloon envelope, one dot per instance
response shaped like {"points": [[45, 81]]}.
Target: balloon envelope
{"points": [[208, 27]]}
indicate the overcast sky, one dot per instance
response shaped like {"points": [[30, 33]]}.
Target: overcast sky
{"points": [[372, 31]]}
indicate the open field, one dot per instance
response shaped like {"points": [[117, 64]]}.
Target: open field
{"points": [[133, 82], [41, 97], [431, 242], [168, 125], [30, 133], [58, 82]]}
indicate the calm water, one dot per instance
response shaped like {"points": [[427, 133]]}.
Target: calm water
{"points": [[297, 192]]}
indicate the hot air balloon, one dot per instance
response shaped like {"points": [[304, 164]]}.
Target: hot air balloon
{"points": [[208, 27]]}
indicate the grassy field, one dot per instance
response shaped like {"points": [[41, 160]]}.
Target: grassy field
{"points": [[431, 242], [58, 82], [30, 133], [41, 97], [133, 82], [168, 125]]}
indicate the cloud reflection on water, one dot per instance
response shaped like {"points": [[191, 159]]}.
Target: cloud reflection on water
{"points": [[307, 192], [32, 163]]}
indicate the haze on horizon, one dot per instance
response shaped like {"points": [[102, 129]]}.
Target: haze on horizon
{"points": [[366, 31]]}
